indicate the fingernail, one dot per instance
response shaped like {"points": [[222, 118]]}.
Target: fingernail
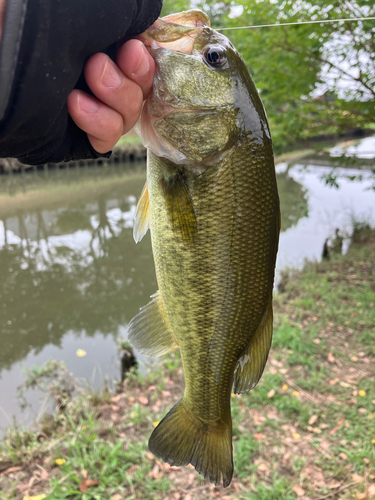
{"points": [[143, 65], [87, 104], [110, 77]]}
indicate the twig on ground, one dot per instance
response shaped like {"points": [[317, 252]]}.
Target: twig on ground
{"points": [[203, 487], [324, 453], [345, 487], [301, 391]]}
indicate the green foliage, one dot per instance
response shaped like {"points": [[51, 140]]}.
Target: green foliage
{"points": [[289, 64], [171, 6], [53, 379]]}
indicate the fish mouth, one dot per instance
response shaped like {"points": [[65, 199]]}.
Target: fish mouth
{"points": [[176, 32]]}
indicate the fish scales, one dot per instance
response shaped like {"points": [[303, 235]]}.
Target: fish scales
{"points": [[214, 230]]}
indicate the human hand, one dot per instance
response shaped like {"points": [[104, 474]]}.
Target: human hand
{"points": [[119, 91]]}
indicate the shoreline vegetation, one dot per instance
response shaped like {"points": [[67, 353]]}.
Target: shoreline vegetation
{"points": [[306, 431], [56, 187]]}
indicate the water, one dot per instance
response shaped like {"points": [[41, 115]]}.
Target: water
{"points": [[71, 276]]}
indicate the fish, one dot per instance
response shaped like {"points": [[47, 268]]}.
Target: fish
{"points": [[212, 207]]}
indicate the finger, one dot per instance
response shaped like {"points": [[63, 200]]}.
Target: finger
{"points": [[109, 84], [104, 126], [136, 63]]}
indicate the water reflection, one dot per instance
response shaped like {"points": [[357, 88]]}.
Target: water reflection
{"points": [[293, 198], [93, 279]]}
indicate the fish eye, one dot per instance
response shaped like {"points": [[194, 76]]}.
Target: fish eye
{"points": [[215, 56]]}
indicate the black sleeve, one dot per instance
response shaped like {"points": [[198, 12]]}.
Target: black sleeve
{"points": [[43, 50]]}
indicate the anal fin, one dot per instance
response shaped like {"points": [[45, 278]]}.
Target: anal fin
{"points": [[149, 331], [252, 362]]}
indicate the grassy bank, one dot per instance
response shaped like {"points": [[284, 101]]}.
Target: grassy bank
{"points": [[306, 431]]}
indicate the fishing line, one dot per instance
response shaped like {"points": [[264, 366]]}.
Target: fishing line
{"points": [[353, 19]]}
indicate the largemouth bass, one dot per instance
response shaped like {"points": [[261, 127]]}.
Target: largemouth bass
{"points": [[212, 207]]}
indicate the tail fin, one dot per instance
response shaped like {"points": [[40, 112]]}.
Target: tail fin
{"points": [[180, 439]]}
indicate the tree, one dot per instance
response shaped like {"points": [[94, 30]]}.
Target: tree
{"points": [[313, 78]]}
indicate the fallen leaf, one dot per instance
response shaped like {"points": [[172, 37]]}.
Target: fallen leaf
{"points": [[177, 496], [155, 472], [85, 484], [361, 496], [81, 353], [84, 473], [339, 424], [334, 381], [259, 436], [344, 384], [12, 469], [259, 419], [334, 484], [37, 497], [271, 394], [143, 400], [117, 496], [324, 445], [371, 490], [313, 419], [116, 399], [357, 478], [298, 490], [296, 435], [314, 429], [331, 357], [272, 415], [43, 475], [188, 497], [263, 468]]}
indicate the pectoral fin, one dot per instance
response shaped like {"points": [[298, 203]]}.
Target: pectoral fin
{"points": [[180, 209], [142, 215], [149, 331], [252, 362]]}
